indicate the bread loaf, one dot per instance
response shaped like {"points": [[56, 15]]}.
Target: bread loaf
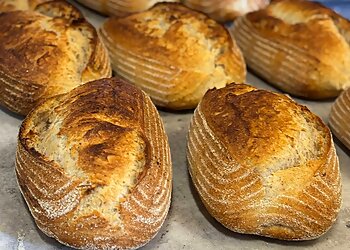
{"points": [[339, 118], [121, 7], [298, 46], [173, 53], [226, 10], [11, 5], [94, 166], [263, 164], [45, 53]]}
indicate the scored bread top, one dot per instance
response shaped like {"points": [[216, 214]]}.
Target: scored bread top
{"points": [[265, 129], [182, 50], [102, 166], [300, 46], [263, 164], [47, 52], [11, 5], [302, 22]]}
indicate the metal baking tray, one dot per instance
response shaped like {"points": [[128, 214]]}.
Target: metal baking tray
{"points": [[188, 225]]}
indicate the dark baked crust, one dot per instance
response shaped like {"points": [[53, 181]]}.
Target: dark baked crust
{"points": [[96, 124], [39, 57], [263, 164]]}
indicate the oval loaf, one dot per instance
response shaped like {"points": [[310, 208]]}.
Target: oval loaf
{"points": [[173, 53], [298, 46], [339, 118], [94, 166], [45, 53], [263, 164], [121, 7], [226, 10]]}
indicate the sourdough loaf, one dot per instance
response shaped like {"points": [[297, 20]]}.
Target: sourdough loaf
{"points": [[263, 164], [94, 166], [339, 118], [121, 7], [47, 52], [173, 53], [11, 5], [298, 46], [226, 10]]}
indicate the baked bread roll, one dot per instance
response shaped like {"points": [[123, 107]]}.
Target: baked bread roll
{"points": [[94, 166], [339, 118], [121, 7], [45, 53], [263, 164], [298, 46], [11, 5], [173, 53], [226, 10]]}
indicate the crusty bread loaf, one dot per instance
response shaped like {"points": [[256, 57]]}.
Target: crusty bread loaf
{"points": [[121, 7], [94, 166], [11, 5], [339, 118], [173, 53], [300, 47], [226, 10], [47, 52], [263, 164]]}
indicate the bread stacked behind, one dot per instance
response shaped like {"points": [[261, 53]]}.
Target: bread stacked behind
{"points": [[173, 53], [298, 46], [262, 164], [339, 118], [226, 10], [45, 53], [121, 7], [94, 166], [11, 5]]}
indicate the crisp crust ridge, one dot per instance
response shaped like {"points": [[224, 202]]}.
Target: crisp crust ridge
{"points": [[339, 118]]}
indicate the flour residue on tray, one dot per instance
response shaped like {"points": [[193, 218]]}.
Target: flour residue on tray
{"points": [[20, 240]]}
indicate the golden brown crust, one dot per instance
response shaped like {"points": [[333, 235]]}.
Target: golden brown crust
{"points": [[159, 50], [226, 10], [45, 53], [121, 8], [263, 164], [299, 46], [339, 118], [89, 136], [12, 5]]}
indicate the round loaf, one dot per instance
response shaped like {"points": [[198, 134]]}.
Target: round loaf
{"points": [[173, 53], [226, 10], [11, 5], [121, 7], [339, 118], [45, 53], [263, 164], [94, 166], [298, 46]]}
